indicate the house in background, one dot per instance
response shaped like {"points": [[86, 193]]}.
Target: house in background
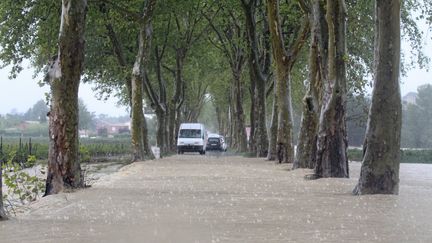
{"points": [[104, 128]]}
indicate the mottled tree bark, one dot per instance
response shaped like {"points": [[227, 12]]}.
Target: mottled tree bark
{"points": [[283, 84], [161, 131], [172, 136], [64, 76], [148, 153], [252, 112], [380, 168], [307, 141], [141, 148], [258, 138], [272, 148], [284, 62], [3, 215], [177, 99], [332, 160], [261, 137], [138, 118], [232, 126], [240, 130], [160, 103], [233, 118]]}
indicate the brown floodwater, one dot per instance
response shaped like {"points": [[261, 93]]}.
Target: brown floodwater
{"points": [[193, 198]]}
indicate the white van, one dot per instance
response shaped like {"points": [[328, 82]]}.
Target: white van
{"points": [[192, 137]]}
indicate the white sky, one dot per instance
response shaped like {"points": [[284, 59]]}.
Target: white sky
{"points": [[23, 92], [417, 77]]}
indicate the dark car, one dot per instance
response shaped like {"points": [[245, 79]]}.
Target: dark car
{"points": [[214, 143]]}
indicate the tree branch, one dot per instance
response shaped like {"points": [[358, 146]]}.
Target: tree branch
{"points": [[299, 42], [221, 39], [134, 15], [172, 71], [149, 90], [305, 6]]}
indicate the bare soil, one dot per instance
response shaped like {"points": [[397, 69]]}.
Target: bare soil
{"points": [[193, 198]]}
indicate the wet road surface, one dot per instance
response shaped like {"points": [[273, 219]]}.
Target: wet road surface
{"points": [[194, 198]]}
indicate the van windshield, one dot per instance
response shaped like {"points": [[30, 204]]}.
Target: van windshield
{"points": [[190, 133]]}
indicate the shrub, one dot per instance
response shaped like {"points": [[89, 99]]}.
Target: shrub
{"points": [[21, 186], [84, 154], [355, 154], [423, 156]]}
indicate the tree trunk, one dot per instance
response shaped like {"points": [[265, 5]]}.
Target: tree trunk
{"points": [[177, 122], [332, 160], [177, 100], [307, 141], [2, 211], [166, 131], [160, 103], [148, 153], [139, 131], [161, 131], [232, 126], [272, 148], [139, 135], [64, 75], [285, 121], [258, 139], [380, 167], [283, 84], [240, 130], [137, 113], [252, 118], [261, 137], [172, 136]]}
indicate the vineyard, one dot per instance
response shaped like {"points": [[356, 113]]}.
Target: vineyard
{"points": [[108, 149], [91, 149], [408, 155]]}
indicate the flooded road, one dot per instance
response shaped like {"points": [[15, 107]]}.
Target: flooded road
{"points": [[193, 198]]}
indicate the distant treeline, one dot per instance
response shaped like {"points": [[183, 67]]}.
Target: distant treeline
{"points": [[416, 117]]}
